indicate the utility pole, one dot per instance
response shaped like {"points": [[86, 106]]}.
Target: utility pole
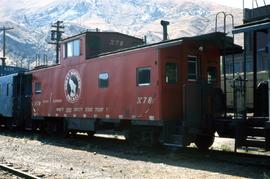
{"points": [[56, 36], [3, 58]]}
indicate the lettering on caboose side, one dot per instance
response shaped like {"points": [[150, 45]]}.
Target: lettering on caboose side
{"points": [[144, 100]]}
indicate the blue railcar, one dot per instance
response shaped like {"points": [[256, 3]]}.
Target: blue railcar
{"points": [[7, 70], [15, 99], [6, 95]]}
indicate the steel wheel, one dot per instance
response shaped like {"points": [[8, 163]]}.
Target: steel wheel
{"points": [[203, 142]]}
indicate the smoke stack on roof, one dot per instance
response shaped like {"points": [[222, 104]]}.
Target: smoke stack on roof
{"points": [[3, 61], [165, 30]]}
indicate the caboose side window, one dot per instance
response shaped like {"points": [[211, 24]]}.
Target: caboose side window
{"points": [[64, 51], [73, 48], [192, 68], [171, 70], [76, 48], [69, 49], [38, 88], [103, 80], [211, 75], [143, 76]]}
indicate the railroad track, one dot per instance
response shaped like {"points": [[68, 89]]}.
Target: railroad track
{"points": [[228, 157], [111, 145], [242, 158], [19, 173]]}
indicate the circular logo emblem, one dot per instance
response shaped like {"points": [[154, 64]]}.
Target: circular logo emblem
{"points": [[72, 86]]}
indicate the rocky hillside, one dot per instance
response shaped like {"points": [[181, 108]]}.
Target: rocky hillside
{"points": [[32, 21]]}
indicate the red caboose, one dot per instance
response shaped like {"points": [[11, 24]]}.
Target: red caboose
{"points": [[168, 91]]}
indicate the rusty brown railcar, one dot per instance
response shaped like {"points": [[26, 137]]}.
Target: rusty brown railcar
{"points": [[147, 90]]}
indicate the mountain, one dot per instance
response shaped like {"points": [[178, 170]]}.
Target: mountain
{"points": [[31, 21]]}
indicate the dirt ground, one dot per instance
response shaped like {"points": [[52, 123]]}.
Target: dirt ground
{"points": [[81, 157]]}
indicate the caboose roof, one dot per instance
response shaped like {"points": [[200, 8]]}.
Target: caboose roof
{"points": [[94, 32], [253, 26], [218, 39]]}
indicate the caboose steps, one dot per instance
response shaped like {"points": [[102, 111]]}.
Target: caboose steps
{"points": [[256, 131], [174, 141], [173, 137], [254, 142], [173, 145], [253, 133], [256, 121]]}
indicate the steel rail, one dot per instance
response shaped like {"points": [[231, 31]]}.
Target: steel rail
{"points": [[18, 172]]}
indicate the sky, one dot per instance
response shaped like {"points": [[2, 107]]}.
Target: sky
{"points": [[239, 3], [230, 3]]}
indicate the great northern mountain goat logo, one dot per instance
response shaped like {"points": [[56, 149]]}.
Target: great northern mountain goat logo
{"points": [[72, 86]]}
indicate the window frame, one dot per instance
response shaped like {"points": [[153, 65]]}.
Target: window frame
{"points": [[137, 76], [196, 65], [99, 80], [38, 90], [69, 48], [78, 51], [210, 79], [64, 51], [176, 74]]}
